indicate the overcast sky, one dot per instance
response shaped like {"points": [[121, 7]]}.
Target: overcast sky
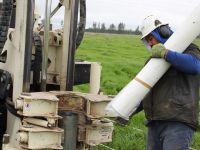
{"points": [[131, 12]]}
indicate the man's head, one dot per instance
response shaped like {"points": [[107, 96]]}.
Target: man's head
{"points": [[154, 31], [151, 40]]}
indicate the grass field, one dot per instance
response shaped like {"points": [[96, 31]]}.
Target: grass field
{"points": [[122, 57]]}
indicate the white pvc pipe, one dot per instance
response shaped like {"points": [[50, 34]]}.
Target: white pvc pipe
{"points": [[127, 101], [95, 78]]}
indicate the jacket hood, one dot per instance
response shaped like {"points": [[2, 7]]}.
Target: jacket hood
{"points": [[156, 34]]}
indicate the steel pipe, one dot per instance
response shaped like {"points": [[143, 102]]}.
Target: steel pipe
{"points": [[46, 44]]}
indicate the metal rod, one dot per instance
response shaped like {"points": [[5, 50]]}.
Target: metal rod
{"points": [[70, 122], [55, 10], [46, 44], [28, 46], [52, 14], [72, 46]]}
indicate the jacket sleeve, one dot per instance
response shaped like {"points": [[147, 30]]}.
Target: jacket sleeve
{"points": [[139, 109], [188, 62]]}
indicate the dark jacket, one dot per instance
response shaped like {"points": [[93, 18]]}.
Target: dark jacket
{"points": [[175, 96]]}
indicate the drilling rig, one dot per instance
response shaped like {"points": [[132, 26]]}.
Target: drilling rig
{"points": [[38, 107]]}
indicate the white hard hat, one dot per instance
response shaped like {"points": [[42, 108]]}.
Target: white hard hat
{"points": [[149, 24]]}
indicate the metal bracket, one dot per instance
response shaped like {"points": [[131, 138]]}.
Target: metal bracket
{"points": [[96, 133], [41, 104], [91, 104], [29, 135]]}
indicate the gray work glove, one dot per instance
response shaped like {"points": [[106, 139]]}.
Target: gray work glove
{"points": [[158, 51], [121, 121]]}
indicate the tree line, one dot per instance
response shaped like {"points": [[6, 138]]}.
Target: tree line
{"points": [[120, 28]]}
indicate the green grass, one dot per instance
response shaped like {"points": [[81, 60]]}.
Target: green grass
{"points": [[121, 57]]}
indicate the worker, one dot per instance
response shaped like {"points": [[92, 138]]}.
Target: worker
{"points": [[171, 107]]}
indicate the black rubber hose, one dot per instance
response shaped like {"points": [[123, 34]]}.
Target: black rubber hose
{"points": [[37, 61], [3, 124], [82, 23], [13, 16], [5, 17], [12, 110], [28, 45]]}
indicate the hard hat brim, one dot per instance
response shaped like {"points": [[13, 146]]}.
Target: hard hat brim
{"points": [[143, 36]]}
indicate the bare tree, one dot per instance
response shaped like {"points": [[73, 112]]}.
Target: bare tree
{"points": [[94, 25], [103, 27], [99, 26], [121, 27], [137, 31], [112, 27]]}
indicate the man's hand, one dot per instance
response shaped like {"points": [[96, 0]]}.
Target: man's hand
{"points": [[158, 51], [121, 121]]}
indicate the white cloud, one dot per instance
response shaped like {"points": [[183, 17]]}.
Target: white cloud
{"points": [[132, 12]]}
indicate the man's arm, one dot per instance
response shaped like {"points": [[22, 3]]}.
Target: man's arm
{"points": [[184, 62], [188, 62]]}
